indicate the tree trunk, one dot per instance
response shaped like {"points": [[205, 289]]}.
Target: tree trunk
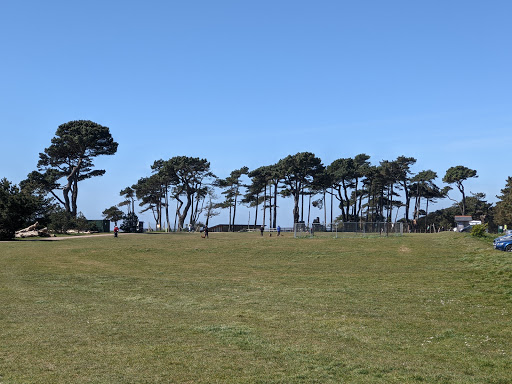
{"points": [[332, 206], [264, 206], [342, 204], [167, 219], [183, 215], [347, 200], [256, 213], [275, 205], [302, 207], [176, 215], [309, 209], [426, 215], [354, 209], [296, 198], [325, 210], [191, 209], [74, 196], [461, 189], [270, 206], [234, 209], [229, 220]]}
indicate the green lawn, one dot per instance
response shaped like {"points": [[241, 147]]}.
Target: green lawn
{"points": [[241, 308]]}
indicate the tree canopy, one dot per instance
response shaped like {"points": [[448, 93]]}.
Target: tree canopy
{"points": [[503, 209], [298, 172], [456, 175], [69, 160]]}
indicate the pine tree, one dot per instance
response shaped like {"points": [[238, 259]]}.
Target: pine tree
{"points": [[503, 209]]}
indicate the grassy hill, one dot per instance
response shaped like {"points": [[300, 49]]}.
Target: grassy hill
{"points": [[241, 308]]}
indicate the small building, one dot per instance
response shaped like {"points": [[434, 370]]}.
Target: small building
{"points": [[462, 222], [100, 225]]}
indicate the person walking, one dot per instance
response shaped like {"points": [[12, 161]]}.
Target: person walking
{"points": [[116, 229], [205, 231], [262, 228], [278, 230]]}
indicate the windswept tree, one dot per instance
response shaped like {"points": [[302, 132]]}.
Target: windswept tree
{"points": [[298, 172], [148, 191], [232, 185], [113, 214], [321, 185], [421, 184], [503, 209], [69, 160], [347, 176], [361, 168], [189, 177], [165, 179], [254, 190], [341, 172], [391, 171], [403, 165], [457, 175], [210, 208], [129, 199]]}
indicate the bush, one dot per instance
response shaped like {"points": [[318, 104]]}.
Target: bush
{"points": [[479, 230], [130, 222], [62, 221], [17, 208]]}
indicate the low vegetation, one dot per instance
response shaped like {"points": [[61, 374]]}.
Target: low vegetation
{"points": [[241, 308]]}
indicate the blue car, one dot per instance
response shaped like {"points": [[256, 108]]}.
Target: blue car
{"points": [[503, 243]]}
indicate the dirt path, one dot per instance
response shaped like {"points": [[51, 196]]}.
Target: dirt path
{"points": [[61, 238]]}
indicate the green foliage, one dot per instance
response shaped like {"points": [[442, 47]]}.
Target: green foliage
{"points": [[62, 221], [456, 175], [479, 230], [129, 223], [81, 223], [299, 172], [477, 207], [503, 209], [69, 160], [113, 214], [17, 207]]}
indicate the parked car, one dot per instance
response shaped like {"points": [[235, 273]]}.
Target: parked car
{"points": [[503, 243]]}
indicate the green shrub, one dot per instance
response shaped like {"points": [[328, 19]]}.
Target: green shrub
{"points": [[479, 230], [129, 223]]}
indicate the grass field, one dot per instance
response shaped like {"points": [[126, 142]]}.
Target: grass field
{"points": [[241, 308]]}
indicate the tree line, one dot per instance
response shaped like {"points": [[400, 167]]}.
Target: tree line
{"points": [[362, 191]]}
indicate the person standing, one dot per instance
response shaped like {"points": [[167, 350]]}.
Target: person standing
{"points": [[278, 230], [205, 231], [262, 228], [116, 230]]}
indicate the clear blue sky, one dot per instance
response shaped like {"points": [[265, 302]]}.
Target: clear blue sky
{"points": [[249, 82]]}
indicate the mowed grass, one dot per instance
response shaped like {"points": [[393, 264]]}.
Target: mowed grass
{"points": [[241, 308]]}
